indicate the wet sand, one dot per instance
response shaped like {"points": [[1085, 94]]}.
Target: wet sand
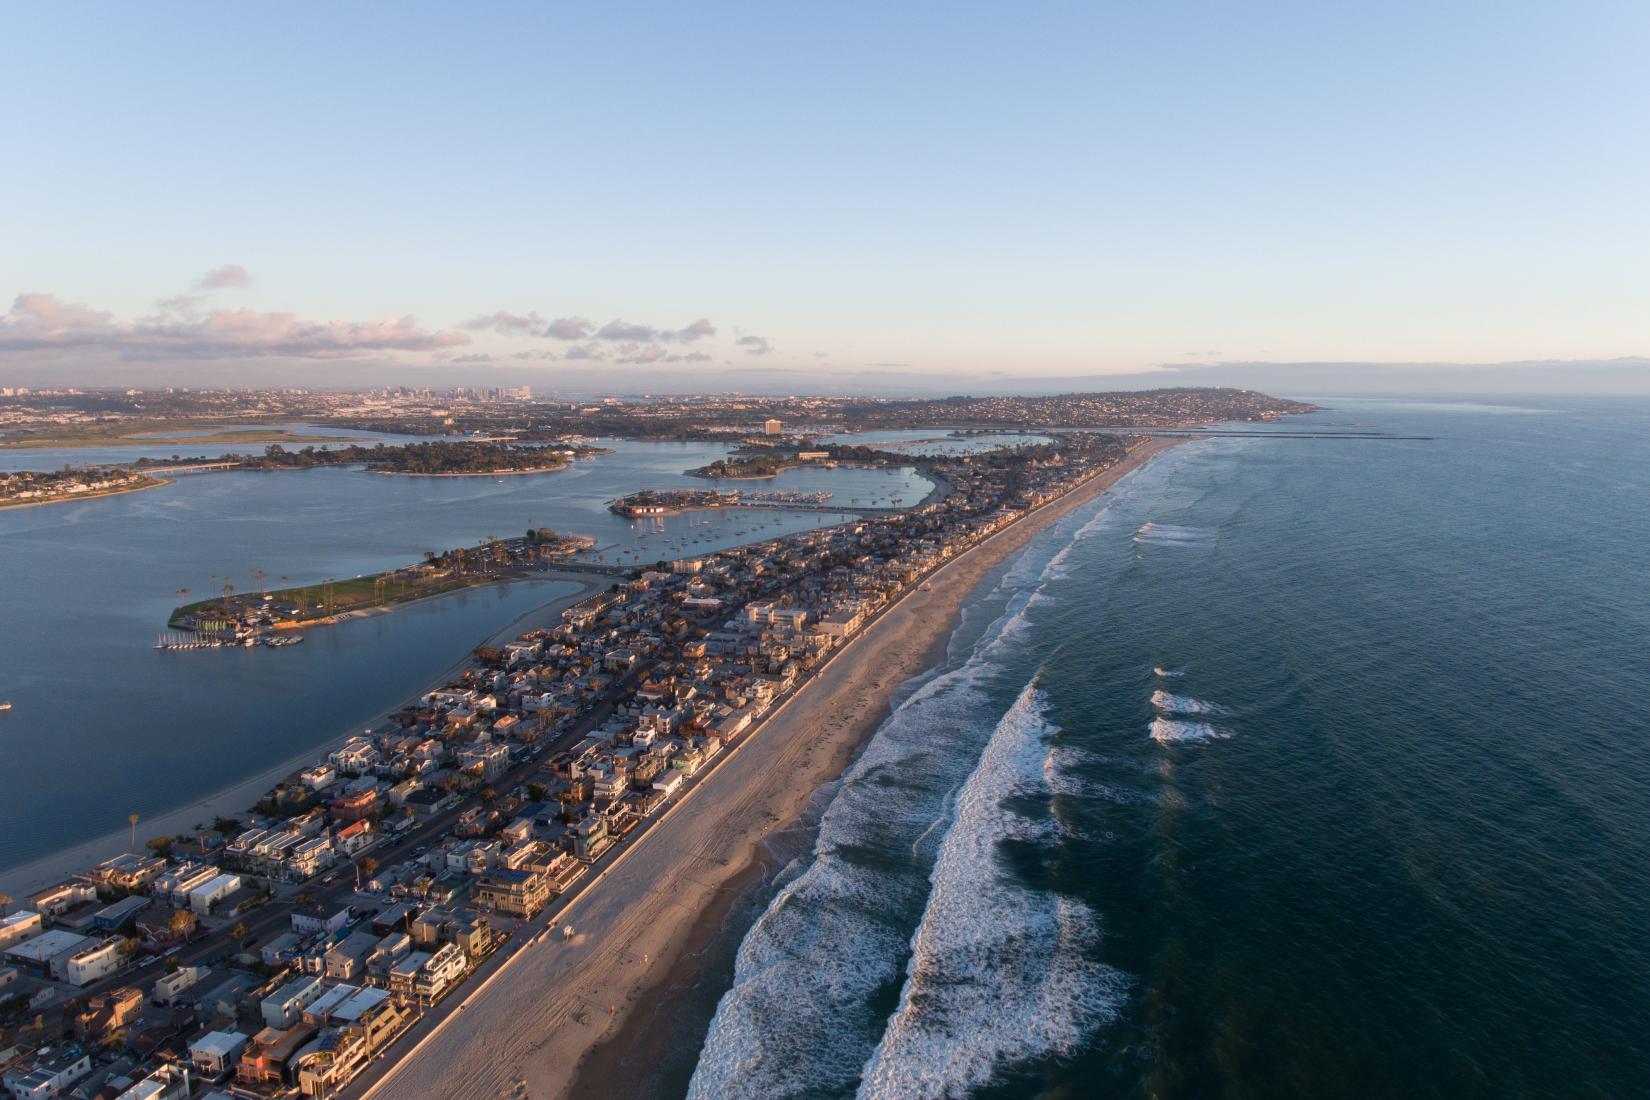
{"points": [[531, 1030]]}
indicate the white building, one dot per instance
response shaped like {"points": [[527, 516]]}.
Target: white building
{"points": [[175, 885], [19, 926], [48, 953], [49, 1075], [205, 897], [285, 1007], [95, 961], [214, 1053]]}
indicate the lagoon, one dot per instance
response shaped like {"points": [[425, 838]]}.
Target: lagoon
{"points": [[103, 726]]}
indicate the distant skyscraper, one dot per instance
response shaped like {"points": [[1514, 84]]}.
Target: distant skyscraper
{"points": [[771, 427]]}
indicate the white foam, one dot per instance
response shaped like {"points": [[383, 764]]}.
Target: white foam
{"points": [[1166, 534], [1167, 703], [999, 973], [1168, 673], [1168, 731], [800, 1016]]}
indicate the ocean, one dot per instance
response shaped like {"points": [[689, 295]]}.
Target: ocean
{"points": [[1289, 768]]}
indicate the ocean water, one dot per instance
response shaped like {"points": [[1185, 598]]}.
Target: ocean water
{"points": [[1293, 767]]}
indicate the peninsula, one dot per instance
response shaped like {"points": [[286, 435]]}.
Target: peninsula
{"points": [[516, 834]]}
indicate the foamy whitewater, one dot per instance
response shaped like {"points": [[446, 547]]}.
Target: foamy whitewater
{"points": [[999, 972], [1184, 704], [1168, 731], [1168, 534]]}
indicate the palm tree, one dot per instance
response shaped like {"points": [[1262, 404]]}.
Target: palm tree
{"points": [[133, 820]]}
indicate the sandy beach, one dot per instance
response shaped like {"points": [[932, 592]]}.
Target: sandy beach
{"points": [[532, 1026], [234, 801]]}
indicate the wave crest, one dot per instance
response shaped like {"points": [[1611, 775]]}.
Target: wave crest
{"points": [[999, 973], [1168, 703], [1170, 731]]}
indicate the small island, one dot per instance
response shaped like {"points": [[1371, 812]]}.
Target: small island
{"points": [[259, 617], [757, 461]]}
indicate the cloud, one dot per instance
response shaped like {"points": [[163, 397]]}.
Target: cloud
{"points": [[656, 353], [504, 321], [617, 330], [569, 328], [39, 322], [699, 328], [582, 328], [621, 330], [224, 278], [755, 345], [585, 351]]}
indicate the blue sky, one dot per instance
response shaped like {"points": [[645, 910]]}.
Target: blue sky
{"points": [[933, 189]]}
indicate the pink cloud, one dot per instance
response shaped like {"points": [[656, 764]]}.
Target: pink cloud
{"points": [[43, 322]]}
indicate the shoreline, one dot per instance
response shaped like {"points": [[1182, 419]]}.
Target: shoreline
{"points": [[475, 473], [236, 799], [99, 495], [534, 1029]]}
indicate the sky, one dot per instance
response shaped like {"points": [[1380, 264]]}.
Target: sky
{"points": [[884, 196]]}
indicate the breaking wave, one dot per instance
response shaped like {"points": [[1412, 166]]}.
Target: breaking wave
{"points": [[1169, 731], [999, 973], [808, 1003], [801, 1014], [1165, 534], [1168, 673], [1167, 703]]}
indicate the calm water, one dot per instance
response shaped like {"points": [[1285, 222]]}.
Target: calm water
{"points": [[1294, 768], [103, 725]]}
